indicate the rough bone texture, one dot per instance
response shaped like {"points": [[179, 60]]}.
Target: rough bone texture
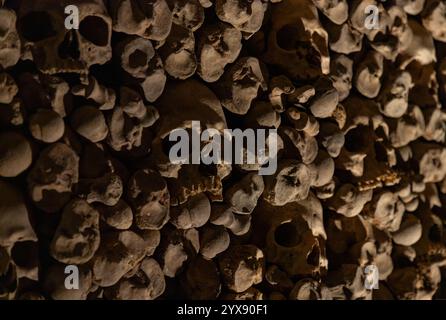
{"points": [[86, 179]]}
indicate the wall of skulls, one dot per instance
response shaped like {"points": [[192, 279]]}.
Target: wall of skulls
{"points": [[85, 177]]}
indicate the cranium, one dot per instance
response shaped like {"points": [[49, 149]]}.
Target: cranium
{"points": [[240, 84], [395, 95], [241, 267], [408, 128], [150, 199], [368, 75], [46, 125], [262, 114], [12, 113], [15, 226], [372, 248], [299, 95], [394, 34], [201, 280], [415, 283], [250, 294], [335, 10], [305, 144], [431, 159], [385, 211], [243, 196], [8, 88], [358, 15], [187, 13], [56, 49], [349, 201], [325, 100], [222, 215], [434, 19], [431, 248], [177, 247], [332, 138], [342, 75], [118, 253], [103, 96], [213, 241], [409, 232], [77, 236], [178, 53], [309, 289], [15, 154], [119, 216], [106, 189], [282, 85], [345, 39], [131, 110], [18, 241], [347, 282], [89, 122], [192, 214], [290, 183], [360, 149], [421, 48], [147, 284], [297, 42], [219, 45], [10, 44], [58, 91], [54, 283]]}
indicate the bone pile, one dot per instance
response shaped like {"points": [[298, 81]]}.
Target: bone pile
{"points": [[85, 177]]}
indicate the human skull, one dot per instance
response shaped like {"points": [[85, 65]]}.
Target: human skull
{"points": [[203, 106], [297, 43]]}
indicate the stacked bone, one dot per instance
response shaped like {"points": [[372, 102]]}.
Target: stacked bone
{"points": [[85, 177]]}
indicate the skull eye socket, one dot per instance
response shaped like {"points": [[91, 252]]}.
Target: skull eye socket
{"points": [[287, 235], [290, 37], [37, 26], [95, 30], [357, 139]]}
